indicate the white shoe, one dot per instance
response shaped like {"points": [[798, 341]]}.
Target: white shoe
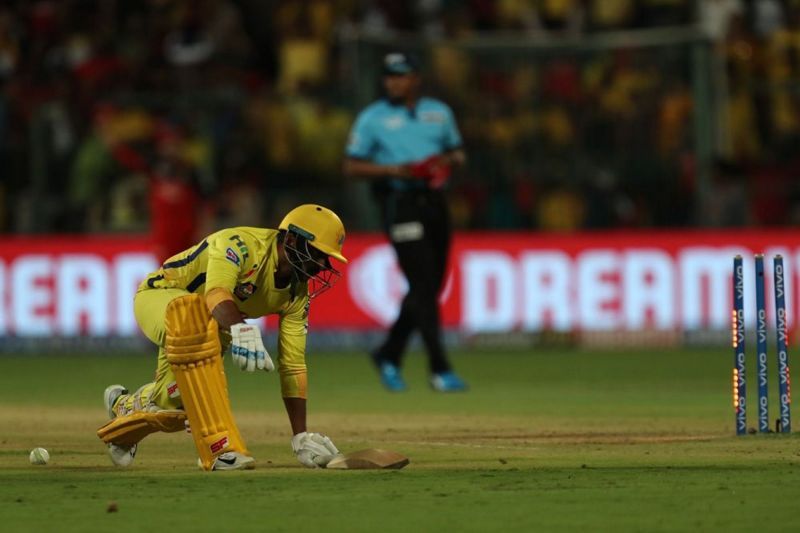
{"points": [[110, 396], [231, 461], [122, 456]]}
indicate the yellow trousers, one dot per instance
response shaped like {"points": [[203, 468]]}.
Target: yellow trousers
{"points": [[150, 307]]}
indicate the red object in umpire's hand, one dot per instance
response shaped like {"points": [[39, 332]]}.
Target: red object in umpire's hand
{"points": [[435, 170]]}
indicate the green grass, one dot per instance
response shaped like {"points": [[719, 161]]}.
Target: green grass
{"points": [[544, 441]]}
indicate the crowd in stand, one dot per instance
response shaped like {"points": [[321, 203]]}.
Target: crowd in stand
{"points": [[115, 115]]}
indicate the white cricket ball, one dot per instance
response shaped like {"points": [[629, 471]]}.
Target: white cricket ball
{"points": [[39, 456]]}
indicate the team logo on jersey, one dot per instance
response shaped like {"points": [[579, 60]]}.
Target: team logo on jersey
{"points": [[393, 123], [432, 116], [231, 256], [172, 390], [241, 246], [243, 291]]}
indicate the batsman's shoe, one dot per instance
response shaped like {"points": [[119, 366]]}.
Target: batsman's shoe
{"points": [[448, 382], [390, 375], [122, 456], [110, 397], [231, 461]]}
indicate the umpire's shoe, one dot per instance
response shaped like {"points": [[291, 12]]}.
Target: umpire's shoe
{"points": [[448, 382], [390, 374]]}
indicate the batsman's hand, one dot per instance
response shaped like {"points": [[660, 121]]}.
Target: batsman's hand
{"points": [[314, 450], [247, 349]]}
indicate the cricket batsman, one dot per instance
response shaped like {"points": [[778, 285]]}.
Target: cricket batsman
{"points": [[193, 308]]}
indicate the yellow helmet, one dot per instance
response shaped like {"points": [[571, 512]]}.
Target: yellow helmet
{"points": [[321, 227]]}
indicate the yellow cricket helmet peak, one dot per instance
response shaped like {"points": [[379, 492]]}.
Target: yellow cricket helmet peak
{"points": [[321, 227]]}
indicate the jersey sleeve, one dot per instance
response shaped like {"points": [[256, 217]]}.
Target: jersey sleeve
{"points": [[452, 137], [292, 331], [224, 264], [361, 141]]}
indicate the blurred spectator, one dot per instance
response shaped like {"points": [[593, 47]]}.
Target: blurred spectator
{"points": [[741, 105], [188, 43], [305, 28], [564, 16], [665, 12], [322, 131], [768, 17], [783, 72], [768, 184], [563, 135], [174, 199], [561, 210], [604, 15], [716, 15]]}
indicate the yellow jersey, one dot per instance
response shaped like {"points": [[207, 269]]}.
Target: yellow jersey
{"points": [[243, 260]]}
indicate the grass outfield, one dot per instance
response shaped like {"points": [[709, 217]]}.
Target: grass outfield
{"points": [[545, 441]]}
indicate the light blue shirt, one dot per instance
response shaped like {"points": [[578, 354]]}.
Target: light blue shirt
{"points": [[389, 134]]}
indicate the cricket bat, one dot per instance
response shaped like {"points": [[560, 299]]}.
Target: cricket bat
{"points": [[371, 458]]}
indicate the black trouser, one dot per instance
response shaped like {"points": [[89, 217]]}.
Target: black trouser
{"points": [[417, 223]]}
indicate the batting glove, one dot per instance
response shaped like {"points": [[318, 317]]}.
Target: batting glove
{"points": [[247, 349], [313, 450]]}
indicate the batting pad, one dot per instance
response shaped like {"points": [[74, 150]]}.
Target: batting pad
{"points": [[369, 459], [130, 429], [194, 354]]}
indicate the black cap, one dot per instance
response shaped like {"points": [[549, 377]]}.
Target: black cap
{"points": [[398, 64]]}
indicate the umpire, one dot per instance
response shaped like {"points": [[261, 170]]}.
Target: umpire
{"points": [[406, 145]]}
